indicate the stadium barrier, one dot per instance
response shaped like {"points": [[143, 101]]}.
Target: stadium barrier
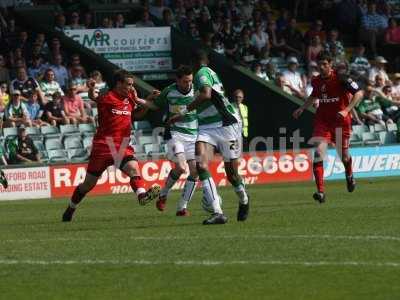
{"points": [[57, 181]]}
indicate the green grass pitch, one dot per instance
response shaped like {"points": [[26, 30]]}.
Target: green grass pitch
{"points": [[290, 248]]}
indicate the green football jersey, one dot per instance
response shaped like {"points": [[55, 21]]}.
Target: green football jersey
{"points": [[176, 102], [218, 111]]}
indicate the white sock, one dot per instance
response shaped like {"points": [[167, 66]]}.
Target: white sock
{"points": [[211, 194], [140, 191], [169, 183], [187, 194], [240, 191]]}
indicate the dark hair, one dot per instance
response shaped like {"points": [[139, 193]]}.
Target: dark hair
{"points": [[121, 75], [183, 70], [324, 55]]}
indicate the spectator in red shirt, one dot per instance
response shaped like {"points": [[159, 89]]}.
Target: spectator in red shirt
{"points": [[392, 34], [74, 107]]}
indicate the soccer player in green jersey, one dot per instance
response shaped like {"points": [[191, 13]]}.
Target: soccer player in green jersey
{"points": [[183, 135], [219, 129]]}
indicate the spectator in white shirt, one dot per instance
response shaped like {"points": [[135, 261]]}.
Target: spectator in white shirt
{"points": [[259, 38], [294, 79], [259, 72], [396, 86], [378, 69]]}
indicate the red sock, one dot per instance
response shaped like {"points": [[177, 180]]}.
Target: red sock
{"points": [[348, 166], [318, 169], [137, 184], [77, 196]]}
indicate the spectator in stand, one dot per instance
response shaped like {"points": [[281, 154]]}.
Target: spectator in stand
{"points": [[238, 97], [4, 95], [238, 25], [49, 86], [392, 33], [22, 43], [379, 82], [271, 71], [168, 18], [26, 85], [359, 64], [313, 49], [247, 10], [333, 41], [145, 20], [88, 20], [26, 149], [258, 71], [281, 82], [217, 22], [337, 56], [35, 111], [157, 8], [37, 68], [4, 72], [293, 78], [247, 52], [78, 79], [379, 68], [315, 30], [283, 20], [259, 39], [370, 109], [193, 31], [228, 39], [204, 23], [119, 21], [396, 86], [60, 72], [264, 57], [54, 111], [60, 22], [74, 107], [372, 28], [217, 45], [231, 10], [293, 37], [74, 21], [75, 61], [55, 49], [348, 16], [16, 113], [107, 23]]}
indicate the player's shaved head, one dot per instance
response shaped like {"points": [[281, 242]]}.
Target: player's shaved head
{"points": [[200, 57]]}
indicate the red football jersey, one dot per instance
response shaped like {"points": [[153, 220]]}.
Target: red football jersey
{"points": [[334, 94], [115, 117]]}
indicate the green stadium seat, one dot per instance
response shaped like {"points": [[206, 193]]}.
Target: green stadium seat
{"points": [[53, 144], [87, 142], [360, 129], [39, 145], [145, 139], [143, 126], [355, 140], [50, 131], [10, 132], [69, 130], [370, 138], [392, 127], [87, 129], [73, 142], [387, 137], [57, 156], [78, 155], [379, 128], [44, 156]]}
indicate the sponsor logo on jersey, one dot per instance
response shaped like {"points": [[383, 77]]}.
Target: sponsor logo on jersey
{"points": [[126, 101], [329, 100], [120, 112]]}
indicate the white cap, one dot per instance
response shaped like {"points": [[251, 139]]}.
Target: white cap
{"points": [[292, 60]]}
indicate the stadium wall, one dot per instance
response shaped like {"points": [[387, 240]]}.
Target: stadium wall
{"points": [[58, 181]]}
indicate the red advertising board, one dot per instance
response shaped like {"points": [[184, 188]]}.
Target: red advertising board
{"points": [[256, 169]]}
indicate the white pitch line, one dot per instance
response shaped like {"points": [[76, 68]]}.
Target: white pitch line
{"points": [[226, 237], [206, 263]]}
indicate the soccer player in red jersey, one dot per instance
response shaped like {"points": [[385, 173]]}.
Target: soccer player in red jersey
{"points": [[337, 95], [111, 142]]}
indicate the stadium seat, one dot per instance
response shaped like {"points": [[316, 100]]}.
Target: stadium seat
{"points": [[78, 155], [146, 139], [50, 131], [149, 148], [53, 144], [360, 129], [94, 112], [73, 142], [34, 133], [370, 138], [44, 156], [69, 130], [39, 145], [379, 128], [355, 140], [392, 127], [87, 129], [143, 126], [57, 156], [87, 142], [138, 148], [10, 131], [164, 148], [387, 137]]}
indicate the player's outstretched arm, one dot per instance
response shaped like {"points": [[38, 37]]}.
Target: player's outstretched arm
{"points": [[297, 113], [357, 97]]}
